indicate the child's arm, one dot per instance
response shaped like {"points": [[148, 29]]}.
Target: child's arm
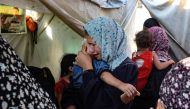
{"points": [[134, 54], [161, 65]]}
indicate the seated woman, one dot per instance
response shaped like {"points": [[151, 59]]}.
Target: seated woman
{"points": [[45, 78], [104, 91], [175, 88], [18, 88]]}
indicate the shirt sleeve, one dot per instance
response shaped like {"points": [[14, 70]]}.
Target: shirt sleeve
{"points": [[100, 66], [77, 77]]}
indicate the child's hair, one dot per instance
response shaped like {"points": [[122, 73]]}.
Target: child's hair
{"points": [[67, 62], [143, 39]]}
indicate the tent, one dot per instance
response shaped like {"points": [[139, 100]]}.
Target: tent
{"points": [[60, 26]]}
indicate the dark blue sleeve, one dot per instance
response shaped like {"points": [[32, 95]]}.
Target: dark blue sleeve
{"points": [[77, 77], [100, 66]]}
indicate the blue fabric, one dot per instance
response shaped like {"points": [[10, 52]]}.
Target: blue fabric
{"points": [[110, 3], [111, 38], [98, 65], [77, 76]]}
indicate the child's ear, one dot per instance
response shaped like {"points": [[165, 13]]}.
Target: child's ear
{"points": [[70, 68]]}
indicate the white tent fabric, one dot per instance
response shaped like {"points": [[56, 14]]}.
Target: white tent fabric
{"points": [[55, 38], [76, 12], [110, 3], [174, 15]]}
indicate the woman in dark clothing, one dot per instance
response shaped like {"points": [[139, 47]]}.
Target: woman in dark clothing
{"points": [[150, 22], [175, 88], [18, 89], [104, 91], [160, 44], [45, 78]]}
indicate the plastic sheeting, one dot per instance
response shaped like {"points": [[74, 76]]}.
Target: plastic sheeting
{"points": [[77, 12], [55, 37], [110, 3], [174, 15]]}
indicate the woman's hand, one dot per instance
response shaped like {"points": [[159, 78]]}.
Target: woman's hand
{"points": [[160, 105], [129, 92]]}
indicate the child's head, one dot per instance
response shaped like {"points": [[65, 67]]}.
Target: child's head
{"points": [[67, 64], [91, 48], [143, 39]]}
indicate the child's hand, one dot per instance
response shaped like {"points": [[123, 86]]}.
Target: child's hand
{"points": [[171, 61], [160, 105], [84, 60]]}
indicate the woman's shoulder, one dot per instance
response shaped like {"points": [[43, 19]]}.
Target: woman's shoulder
{"points": [[126, 66], [127, 63]]}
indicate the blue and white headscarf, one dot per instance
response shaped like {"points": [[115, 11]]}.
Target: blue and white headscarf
{"points": [[110, 37]]}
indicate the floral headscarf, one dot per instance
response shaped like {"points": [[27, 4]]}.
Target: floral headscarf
{"points": [[175, 88], [110, 37], [18, 90], [160, 43]]}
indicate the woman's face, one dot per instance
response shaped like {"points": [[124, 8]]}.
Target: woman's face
{"points": [[93, 49]]}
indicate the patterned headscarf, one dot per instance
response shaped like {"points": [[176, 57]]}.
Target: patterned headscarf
{"points": [[110, 37], [175, 88], [18, 90], [160, 43]]}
